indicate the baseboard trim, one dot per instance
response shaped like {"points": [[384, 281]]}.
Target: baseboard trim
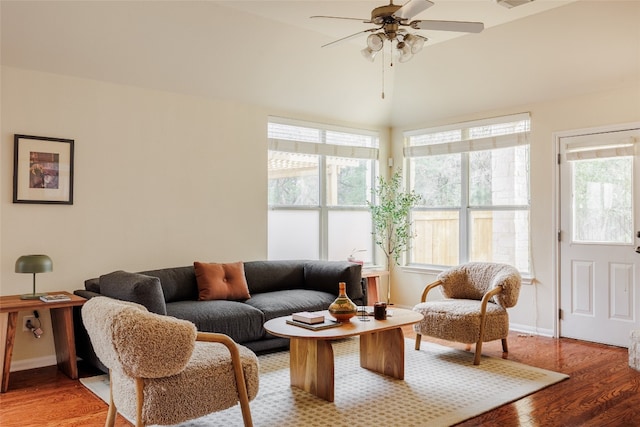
{"points": [[33, 363], [528, 329]]}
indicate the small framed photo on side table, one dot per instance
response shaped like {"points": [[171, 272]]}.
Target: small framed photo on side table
{"points": [[42, 170]]}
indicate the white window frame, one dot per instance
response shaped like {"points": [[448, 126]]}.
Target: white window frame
{"points": [[323, 150], [443, 143]]}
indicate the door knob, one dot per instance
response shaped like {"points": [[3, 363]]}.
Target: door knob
{"points": [[638, 249]]}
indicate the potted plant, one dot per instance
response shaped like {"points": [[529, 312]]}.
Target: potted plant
{"points": [[391, 220]]}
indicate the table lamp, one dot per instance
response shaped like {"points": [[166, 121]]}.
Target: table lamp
{"points": [[33, 264]]}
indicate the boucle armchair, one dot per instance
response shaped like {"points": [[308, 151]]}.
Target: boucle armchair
{"points": [[477, 295], [161, 370]]}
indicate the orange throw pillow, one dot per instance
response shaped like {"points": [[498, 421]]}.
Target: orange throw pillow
{"points": [[221, 281]]}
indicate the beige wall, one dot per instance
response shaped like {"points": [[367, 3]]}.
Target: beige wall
{"points": [[160, 180], [618, 105]]}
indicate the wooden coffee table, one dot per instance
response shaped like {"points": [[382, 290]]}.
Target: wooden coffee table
{"points": [[311, 353]]}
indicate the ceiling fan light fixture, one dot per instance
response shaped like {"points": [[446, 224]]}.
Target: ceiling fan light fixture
{"points": [[375, 42], [404, 52], [393, 23], [369, 54], [415, 42]]}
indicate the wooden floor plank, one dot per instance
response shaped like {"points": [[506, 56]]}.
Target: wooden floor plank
{"points": [[602, 390]]}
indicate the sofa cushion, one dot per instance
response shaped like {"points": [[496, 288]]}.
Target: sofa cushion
{"points": [[134, 287], [178, 283], [240, 321], [267, 276], [325, 276], [221, 281], [283, 303]]}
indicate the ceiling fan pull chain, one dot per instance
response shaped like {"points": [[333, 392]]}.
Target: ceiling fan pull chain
{"points": [[383, 65], [391, 53]]}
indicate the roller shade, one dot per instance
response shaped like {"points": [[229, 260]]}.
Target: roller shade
{"points": [[596, 148], [502, 141], [487, 134], [303, 147], [292, 136]]}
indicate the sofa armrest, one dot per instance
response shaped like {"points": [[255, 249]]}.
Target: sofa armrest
{"points": [[325, 276], [84, 349], [86, 294]]}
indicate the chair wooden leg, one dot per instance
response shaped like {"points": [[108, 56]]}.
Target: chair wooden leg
{"points": [[113, 411], [139, 401], [476, 358], [418, 341], [238, 370], [243, 398], [505, 348], [241, 385]]}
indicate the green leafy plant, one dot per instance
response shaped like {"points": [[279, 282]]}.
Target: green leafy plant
{"points": [[392, 229]]}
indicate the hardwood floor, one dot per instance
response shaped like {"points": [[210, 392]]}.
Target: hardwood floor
{"points": [[602, 390]]}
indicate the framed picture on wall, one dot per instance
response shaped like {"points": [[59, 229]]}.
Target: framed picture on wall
{"points": [[42, 170]]}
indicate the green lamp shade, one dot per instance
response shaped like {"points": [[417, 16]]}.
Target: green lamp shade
{"points": [[33, 264]]}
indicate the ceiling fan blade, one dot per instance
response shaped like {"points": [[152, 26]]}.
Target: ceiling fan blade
{"points": [[411, 9], [367, 21], [349, 37], [460, 26]]}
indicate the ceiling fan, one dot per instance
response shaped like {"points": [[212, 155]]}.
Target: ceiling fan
{"points": [[390, 21]]}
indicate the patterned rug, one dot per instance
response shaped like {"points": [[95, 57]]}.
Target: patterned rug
{"points": [[442, 387]]}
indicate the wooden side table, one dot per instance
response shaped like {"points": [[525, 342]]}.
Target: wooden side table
{"points": [[373, 284], [62, 325]]}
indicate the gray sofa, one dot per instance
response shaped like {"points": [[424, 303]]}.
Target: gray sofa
{"points": [[277, 288]]}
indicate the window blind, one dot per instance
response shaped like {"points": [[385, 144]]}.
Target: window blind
{"points": [[600, 147], [306, 138], [499, 132]]}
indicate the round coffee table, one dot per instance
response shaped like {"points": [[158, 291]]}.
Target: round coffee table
{"points": [[311, 354]]}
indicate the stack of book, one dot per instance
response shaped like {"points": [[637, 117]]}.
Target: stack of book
{"points": [[55, 298], [313, 321], [308, 317]]}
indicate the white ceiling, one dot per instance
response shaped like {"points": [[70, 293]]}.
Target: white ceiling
{"points": [[268, 53]]}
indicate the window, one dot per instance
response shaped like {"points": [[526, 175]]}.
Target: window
{"points": [[320, 178], [474, 182], [602, 188]]}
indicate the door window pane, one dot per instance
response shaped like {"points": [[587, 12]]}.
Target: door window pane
{"points": [[602, 200], [437, 237], [293, 179]]}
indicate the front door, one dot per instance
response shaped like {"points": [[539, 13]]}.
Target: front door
{"points": [[599, 225]]}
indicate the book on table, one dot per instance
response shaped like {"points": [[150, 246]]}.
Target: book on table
{"points": [[326, 324], [55, 298], [308, 317]]}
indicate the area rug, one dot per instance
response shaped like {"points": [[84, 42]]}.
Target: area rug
{"points": [[442, 387]]}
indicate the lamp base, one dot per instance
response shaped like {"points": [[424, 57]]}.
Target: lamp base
{"points": [[31, 296]]}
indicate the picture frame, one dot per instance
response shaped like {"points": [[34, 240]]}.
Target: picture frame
{"points": [[42, 170]]}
